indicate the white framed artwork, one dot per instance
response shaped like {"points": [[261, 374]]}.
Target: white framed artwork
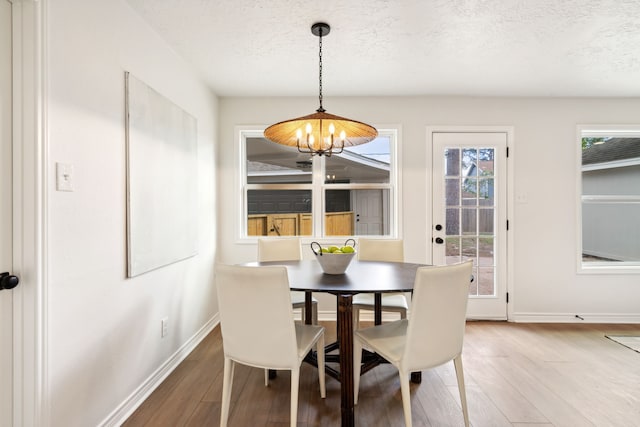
{"points": [[162, 180]]}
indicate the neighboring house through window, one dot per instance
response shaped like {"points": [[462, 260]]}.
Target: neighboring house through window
{"points": [[610, 198]]}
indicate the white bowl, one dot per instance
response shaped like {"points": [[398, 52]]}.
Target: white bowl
{"points": [[334, 263]]}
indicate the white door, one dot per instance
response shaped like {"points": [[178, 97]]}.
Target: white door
{"points": [[6, 260], [470, 213], [368, 206]]}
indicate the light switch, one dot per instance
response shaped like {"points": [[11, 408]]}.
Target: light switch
{"points": [[64, 177]]}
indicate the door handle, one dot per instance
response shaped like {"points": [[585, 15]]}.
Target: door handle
{"points": [[8, 281], [439, 240]]}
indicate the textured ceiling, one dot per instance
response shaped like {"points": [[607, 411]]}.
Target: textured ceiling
{"points": [[407, 47]]}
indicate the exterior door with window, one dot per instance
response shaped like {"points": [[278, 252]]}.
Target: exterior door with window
{"points": [[6, 296], [469, 213]]}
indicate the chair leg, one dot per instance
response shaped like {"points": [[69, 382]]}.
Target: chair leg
{"points": [[266, 378], [295, 385], [356, 318], [357, 367], [457, 362], [227, 384], [314, 313], [321, 370], [406, 397]]}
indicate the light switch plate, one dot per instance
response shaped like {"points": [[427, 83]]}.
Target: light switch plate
{"points": [[64, 177], [165, 327]]}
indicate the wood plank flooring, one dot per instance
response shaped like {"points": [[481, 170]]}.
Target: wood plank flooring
{"points": [[522, 375]]}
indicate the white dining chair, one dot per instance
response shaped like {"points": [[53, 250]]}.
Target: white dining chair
{"points": [[256, 320], [380, 250], [287, 249], [432, 336]]}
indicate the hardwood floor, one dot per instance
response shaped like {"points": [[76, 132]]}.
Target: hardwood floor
{"points": [[524, 375]]}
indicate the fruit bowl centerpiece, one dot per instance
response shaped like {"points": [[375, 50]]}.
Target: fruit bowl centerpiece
{"points": [[334, 259]]}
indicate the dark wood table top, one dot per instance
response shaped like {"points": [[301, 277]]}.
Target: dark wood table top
{"points": [[360, 276]]}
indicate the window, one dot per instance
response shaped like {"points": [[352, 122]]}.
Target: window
{"points": [[609, 198], [288, 193]]}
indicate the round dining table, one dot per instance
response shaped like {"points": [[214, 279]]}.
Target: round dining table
{"points": [[360, 277]]}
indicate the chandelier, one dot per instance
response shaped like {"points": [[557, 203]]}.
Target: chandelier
{"points": [[320, 133]]}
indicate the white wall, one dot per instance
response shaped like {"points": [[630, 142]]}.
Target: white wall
{"points": [[545, 285], [104, 329]]}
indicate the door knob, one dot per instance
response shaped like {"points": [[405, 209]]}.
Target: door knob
{"points": [[438, 227], [439, 240], [8, 281]]}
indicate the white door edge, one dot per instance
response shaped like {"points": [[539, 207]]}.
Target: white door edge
{"points": [[29, 212], [6, 191]]}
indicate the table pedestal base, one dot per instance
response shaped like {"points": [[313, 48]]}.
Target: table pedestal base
{"points": [[345, 337]]}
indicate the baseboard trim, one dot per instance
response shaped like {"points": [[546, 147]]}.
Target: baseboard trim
{"points": [[630, 318], [575, 318], [131, 403]]}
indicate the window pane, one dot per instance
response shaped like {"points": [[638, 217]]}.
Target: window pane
{"points": [[473, 286], [469, 165], [610, 199], [366, 163], [279, 213], [485, 222], [487, 250], [486, 162], [486, 280], [620, 182], [452, 226], [469, 221], [469, 248], [610, 232], [363, 212], [339, 217], [469, 191], [453, 191], [270, 163], [338, 200], [452, 162], [280, 183], [485, 188], [452, 249]]}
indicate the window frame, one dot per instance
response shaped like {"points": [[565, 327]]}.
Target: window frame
{"points": [[318, 187], [601, 267]]}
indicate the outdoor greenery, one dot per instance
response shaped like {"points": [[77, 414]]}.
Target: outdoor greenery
{"points": [[588, 142]]}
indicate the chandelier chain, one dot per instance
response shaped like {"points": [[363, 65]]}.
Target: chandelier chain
{"points": [[320, 73], [321, 133]]}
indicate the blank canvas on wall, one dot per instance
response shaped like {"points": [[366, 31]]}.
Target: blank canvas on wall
{"points": [[162, 180]]}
